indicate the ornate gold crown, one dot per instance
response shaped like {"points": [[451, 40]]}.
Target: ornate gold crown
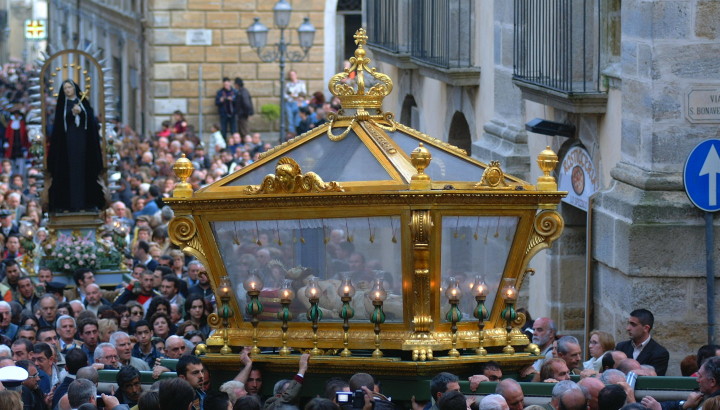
{"points": [[355, 95]]}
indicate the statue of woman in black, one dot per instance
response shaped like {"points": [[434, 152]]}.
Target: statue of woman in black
{"points": [[74, 156]]}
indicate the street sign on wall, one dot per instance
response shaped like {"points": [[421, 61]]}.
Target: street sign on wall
{"points": [[701, 175]]}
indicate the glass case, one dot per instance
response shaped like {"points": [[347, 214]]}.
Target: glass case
{"points": [[329, 249]]}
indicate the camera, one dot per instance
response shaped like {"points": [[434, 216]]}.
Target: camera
{"points": [[99, 403], [343, 397], [358, 399]]}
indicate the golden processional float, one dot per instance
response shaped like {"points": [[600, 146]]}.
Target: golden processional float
{"points": [[369, 244]]}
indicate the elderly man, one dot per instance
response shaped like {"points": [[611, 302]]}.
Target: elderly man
{"points": [[709, 382], [7, 328], [593, 387], [493, 402], [175, 348], [553, 371], [641, 346], [121, 341], [106, 357], [512, 393], [568, 349], [48, 311], [94, 299], [544, 336], [66, 329]]}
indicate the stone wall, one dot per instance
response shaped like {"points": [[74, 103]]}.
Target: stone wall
{"points": [[174, 80], [656, 258]]}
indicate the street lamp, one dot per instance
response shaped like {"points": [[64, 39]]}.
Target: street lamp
{"points": [[257, 36]]}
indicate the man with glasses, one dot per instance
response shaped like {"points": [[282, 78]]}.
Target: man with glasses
{"points": [[32, 397], [203, 287], [106, 357], [44, 359], [7, 328]]}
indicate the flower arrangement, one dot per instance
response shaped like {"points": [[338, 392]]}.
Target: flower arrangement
{"points": [[72, 252]]}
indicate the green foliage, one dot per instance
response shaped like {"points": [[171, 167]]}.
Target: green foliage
{"points": [[270, 112]]}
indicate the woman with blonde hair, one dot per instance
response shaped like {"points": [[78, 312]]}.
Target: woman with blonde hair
{"points": [[105, 328], [600, 342], [10, 399]]}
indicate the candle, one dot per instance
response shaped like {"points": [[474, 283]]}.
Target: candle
{"points": [[346, 290], [252, 285], [286, 294]]}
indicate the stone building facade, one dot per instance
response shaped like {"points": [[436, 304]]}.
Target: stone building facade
{"points": [[620, 73], [162, 68]]}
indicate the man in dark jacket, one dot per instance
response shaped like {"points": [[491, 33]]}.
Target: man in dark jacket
{"points": [[225, 101], [641, 346], [243, 107]]}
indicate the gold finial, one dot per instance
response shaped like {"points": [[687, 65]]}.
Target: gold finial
{"points": [[183, 168], [358, 97], [547, 160], [420, 158]]}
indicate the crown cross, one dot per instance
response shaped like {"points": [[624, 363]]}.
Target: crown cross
{"points": [[360, 37]]}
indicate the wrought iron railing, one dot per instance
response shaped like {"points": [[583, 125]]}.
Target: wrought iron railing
{"points": [[434, 32], [557, 44]]}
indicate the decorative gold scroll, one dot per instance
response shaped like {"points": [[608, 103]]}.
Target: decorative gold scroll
{"points": [[289, 179]]}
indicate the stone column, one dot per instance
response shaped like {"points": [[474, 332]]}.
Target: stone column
{"points": [[504, 138], [648, 239]]}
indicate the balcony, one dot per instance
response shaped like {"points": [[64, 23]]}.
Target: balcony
{"points": [[434, 36], [557, 53]]}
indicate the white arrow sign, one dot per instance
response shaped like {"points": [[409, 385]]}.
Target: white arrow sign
{"points": [[711, 167]]}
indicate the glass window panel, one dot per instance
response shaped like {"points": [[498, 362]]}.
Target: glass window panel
{"points": [[444, 166], [474, 245], [332, 249], [345, 160]]}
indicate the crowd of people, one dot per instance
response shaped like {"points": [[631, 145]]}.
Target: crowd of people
{"points": [[54, 339]]}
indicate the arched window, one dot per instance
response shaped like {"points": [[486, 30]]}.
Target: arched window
{"points": [[459, 134]]}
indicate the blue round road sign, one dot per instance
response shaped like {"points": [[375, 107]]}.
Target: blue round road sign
{"points": [[702, 175]]}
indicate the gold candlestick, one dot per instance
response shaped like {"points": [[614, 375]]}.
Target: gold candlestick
{"points": [[453, 293], [312, 292], [346, 291], [253, 284], [378, 296], [480, 313], [225, 311], [509, 294], [286, 297]]}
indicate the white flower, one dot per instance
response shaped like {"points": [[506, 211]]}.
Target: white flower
{"points": [[67, 266]]}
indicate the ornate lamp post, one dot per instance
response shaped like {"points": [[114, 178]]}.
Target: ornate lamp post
{"points": [[257, 36], [314, 314], [509, 294]]}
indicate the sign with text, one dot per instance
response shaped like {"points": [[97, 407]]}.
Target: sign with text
{"points": [[700, 175], [198, 37], [578, 176], [703, 104]]}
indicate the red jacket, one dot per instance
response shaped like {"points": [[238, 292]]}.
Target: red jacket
{"points": [[9, 137]]}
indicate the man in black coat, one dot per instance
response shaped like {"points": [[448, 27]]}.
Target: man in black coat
{"points": [[641, 346]]}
